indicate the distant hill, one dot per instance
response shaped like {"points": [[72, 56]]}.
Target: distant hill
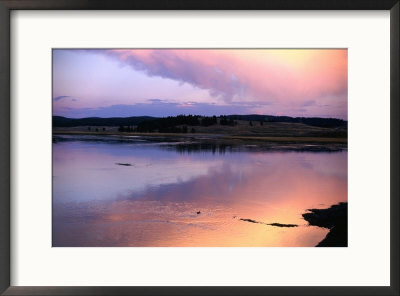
{"points": [[313, 121], [60, 121]]}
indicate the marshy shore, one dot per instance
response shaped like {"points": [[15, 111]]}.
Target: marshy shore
{"points": [[220, 136]]}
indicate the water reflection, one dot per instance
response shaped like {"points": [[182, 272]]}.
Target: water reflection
{"points": [[175, 196], [204, 147]]}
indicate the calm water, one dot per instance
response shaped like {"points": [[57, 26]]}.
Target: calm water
{"points": [[155, 201]]}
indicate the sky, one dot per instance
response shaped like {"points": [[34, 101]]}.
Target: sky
{"points": [[168, 82]]}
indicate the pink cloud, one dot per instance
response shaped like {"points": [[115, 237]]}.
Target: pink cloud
{"points": [[284, 76]]}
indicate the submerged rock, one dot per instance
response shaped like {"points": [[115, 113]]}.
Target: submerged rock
{"points": [[270, 224], [250, 220], [283, 225], [124, 164]]}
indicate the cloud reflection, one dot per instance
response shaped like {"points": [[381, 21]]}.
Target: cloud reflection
{"points": [[269, 187]]}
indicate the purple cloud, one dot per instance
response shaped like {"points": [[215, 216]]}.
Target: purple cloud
{"points": [[197, 72], [60, 98]]}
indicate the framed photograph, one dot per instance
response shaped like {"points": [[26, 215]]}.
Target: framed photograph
{"points": [[162, 148]]}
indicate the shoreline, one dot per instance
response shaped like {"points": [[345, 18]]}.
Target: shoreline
{"points": [[333, 218], [288, 139]]}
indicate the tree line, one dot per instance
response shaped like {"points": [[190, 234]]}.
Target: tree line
{"points": [[180, 123], [193, 120]]}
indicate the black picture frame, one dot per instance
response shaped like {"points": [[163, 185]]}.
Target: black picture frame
{"points": [[7, 6]]}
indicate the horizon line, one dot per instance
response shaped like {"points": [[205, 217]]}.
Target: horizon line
{"points": [[201, 116]]}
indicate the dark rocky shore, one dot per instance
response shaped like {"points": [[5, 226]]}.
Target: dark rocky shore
{"points": [[333, 218]]}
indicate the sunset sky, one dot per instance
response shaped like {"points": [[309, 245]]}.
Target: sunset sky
{"points": [[163, 82]]}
